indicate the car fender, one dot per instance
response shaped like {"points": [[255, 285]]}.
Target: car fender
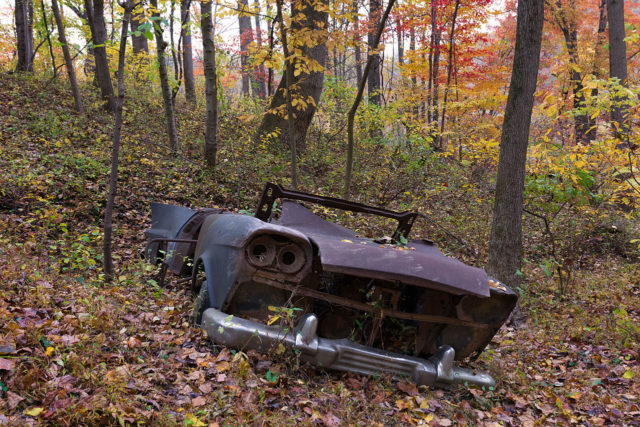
{"points": [[220, 251]]}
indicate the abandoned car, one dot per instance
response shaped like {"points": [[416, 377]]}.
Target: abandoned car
{"points": [[342, 301]]}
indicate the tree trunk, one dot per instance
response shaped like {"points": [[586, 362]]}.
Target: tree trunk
{"points": [[304, 85], [618, 63], [95, 16], [270, 28], [356, 37], [375, 8], [176, 58], [288, 77], [67, 56], [139, 41], [581, 120], [164, 78], [565, 20], [246, 37], [435, 71], [24, 34], [261, 74], [48, 37], [505, 245], [598, 59], [356, 102], [601, 39], [449, 72], [187, 56], [115, 149], [412, 49], [211, 88], [400, 42]]}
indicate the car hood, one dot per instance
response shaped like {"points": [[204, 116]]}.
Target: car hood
{"points": [[418, 263]]}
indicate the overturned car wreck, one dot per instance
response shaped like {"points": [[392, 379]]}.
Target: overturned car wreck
{"points": [[362, 305]]}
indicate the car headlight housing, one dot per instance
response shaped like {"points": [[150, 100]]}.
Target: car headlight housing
{"points": [[276, 253]]}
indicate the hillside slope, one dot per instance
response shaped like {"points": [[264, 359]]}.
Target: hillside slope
{"points": [[76, 351]]}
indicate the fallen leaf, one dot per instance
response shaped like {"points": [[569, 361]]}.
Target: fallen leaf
{"points": [[6, 364], [33, 412], [133, 342], [205, 388], [574, 395], [192, 420], [223, 366], [198, 401], [7, 349], [225, 354], [13, 399], [408, 387], [331, 420], [69, 339], [628, 374]]}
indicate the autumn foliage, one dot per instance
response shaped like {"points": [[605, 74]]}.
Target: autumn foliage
{"points": [[74, 350]]}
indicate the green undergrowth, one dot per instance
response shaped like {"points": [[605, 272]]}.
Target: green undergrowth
{"points": [[77, 351]]}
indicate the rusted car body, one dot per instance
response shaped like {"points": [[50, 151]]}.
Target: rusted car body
{"points": [[361, 305]]}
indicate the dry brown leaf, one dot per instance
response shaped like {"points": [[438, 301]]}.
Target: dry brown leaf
{"points": [[223, 366], [13, 399], [205, 388], [408, 387], [6, 364], [331, 420], [225, 355], [198, 401]]}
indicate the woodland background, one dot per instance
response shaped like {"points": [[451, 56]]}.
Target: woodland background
{"points": [[195, 97]]}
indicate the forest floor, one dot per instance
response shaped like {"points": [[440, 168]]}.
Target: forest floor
{"points": [[76, 351]]}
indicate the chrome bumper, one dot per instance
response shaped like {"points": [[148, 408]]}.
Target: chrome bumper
{"points": [[343, 355]]}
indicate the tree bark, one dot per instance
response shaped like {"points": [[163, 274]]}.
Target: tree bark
{"points": [[412, 49], [164, 78], [581, 120], [211, 88], [565, 20], [356, 102], [270, 28], [260, 76], [505, 245], [618, 64], [48, 37], [435, 71], [246, 37], [115, 149], [187, 55], [24, 34], [449, 72], [306, 84], [434, 67], [400, 41], [375, 9], [175, 55], [67, 56], [288, 77], [138, 41], [356, 40], [95, 16]]}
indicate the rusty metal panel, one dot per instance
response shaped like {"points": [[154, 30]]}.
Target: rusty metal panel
{"points": [[418, 263]]}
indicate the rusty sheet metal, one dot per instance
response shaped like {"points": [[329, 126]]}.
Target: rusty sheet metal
{"points": [[346, 302], [181, 251], [418, 263], [272, 192]]}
